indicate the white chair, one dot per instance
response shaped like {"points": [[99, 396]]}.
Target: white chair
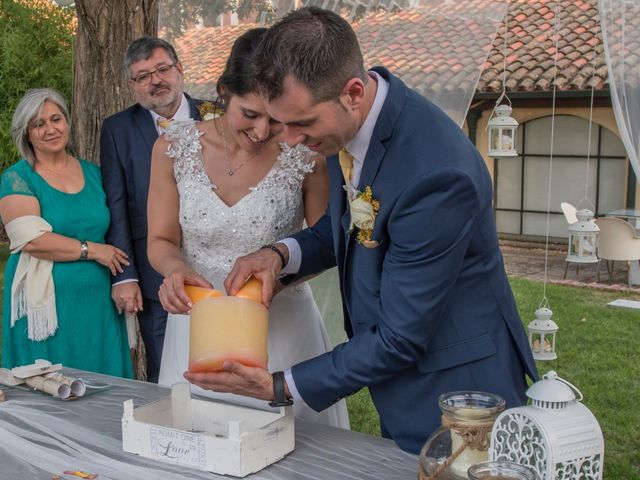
{"points": [[569, 212], [617, 242]]}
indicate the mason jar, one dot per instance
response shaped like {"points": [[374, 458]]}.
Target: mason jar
{"points": [[463, 439], [501, 470]]}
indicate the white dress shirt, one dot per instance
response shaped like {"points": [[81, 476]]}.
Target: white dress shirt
{"points": [[357, 147], [183, 113]]}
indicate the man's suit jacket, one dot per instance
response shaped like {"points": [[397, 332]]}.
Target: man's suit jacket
{"points": [[126, 142], [429, 310]]}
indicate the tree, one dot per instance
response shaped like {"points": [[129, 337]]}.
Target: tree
{"points": [[36, 39], [106, 28]]}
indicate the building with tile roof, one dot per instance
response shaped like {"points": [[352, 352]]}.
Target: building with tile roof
{"points": [[550, 45]]}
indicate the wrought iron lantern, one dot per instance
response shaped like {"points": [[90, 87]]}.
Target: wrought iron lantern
{"points": [[542, 335], [556, 434], [583, 236], [502, 132]]}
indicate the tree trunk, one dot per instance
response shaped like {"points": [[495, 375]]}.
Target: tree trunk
{"points": [[105, 30]]}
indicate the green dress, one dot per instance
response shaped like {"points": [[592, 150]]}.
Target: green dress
{"points": [[91, 335]]}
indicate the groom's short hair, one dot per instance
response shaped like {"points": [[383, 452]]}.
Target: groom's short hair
{"points": [[316, 47]]}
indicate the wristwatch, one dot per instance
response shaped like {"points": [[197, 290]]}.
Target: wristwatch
{"points": [[279, 397]]}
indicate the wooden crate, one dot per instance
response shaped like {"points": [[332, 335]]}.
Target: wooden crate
{"points": [[208, 435]]}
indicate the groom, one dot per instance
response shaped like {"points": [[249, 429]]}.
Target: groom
{"points": [[426, 301]]}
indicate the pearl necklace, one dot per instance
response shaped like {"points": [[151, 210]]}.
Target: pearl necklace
{"points": [[231, 170]]}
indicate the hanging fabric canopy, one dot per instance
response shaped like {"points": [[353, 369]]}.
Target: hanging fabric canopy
{"points": [[620, 20]]}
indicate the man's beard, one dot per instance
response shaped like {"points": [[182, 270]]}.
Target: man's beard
{"points": [[158, 103]]}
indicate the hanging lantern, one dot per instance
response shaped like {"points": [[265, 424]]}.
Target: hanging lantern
{"points": [[502, 132], [583, 236], [542, 335], [556, 435]]}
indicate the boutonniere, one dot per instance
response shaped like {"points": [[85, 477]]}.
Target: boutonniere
{"points": [[208, 111], [364, 209]]}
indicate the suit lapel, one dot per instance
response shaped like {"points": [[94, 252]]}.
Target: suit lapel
{"points": [[144, 122], [393, 105], [193, 107], [371, 164]]}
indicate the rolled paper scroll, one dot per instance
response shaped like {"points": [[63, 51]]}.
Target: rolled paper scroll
{"points": [[78, 388], [50, 386]]}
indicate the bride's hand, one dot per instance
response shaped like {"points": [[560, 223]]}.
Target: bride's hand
{"points": [[172, 295]]}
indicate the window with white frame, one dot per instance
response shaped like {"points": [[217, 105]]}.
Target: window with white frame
{"points": [[522, 183]]}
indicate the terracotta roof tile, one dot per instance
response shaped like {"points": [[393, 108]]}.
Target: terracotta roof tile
{"points": [[424, 51]]}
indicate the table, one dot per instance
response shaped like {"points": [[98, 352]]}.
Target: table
{"points": [[40, 436], [628, 213]]}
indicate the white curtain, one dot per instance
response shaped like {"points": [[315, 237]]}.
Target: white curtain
{"points": [[620, 20]]}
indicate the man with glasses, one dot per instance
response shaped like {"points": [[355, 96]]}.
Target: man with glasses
{"points": [[156, 80]]}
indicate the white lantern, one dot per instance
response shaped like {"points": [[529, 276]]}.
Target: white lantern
{"points": [[583, 237], [502, 133], [556, 435], [542, 335]]}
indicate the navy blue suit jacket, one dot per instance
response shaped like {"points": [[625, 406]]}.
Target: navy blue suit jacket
{"points": [[126, 142], [429, 310]]}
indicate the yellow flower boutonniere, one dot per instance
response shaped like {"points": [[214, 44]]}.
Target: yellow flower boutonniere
{"points": [[364, 209], [209, 111]]}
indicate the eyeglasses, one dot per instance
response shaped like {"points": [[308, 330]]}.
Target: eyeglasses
{"points": [[145, 78]]}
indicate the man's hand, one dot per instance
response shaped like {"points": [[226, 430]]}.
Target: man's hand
{"points": [[128, 297], [236, 378], [264, 264]]}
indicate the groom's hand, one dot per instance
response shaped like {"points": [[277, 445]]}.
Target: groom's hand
{"points": [[236, 378], [264, 264]]}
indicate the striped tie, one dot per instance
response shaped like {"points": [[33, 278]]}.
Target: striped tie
{"points": [[346, 164]]}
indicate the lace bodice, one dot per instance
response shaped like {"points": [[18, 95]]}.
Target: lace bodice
{"points": [[215, 234]]}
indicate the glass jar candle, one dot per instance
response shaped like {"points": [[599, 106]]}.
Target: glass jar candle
{"points": [[463, 439], [501, 470]]}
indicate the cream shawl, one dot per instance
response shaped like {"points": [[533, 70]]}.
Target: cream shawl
{"points": [[32, 291]]}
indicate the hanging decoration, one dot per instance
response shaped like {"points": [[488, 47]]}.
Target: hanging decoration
{"points": [[501, 125], [583, 234], [543, 325], [542, 335]]}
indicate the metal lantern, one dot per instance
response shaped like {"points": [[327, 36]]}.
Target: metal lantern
{"points": [[542, 335], [556, 434], [502, 132], [583, 236]]}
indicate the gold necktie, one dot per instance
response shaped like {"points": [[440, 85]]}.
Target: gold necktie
{"points": [[346, 164], [164, 123]]}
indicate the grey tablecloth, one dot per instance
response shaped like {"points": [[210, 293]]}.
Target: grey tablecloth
{"points": [[41, 436]]}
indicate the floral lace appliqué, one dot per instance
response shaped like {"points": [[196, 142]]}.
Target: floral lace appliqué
{"points": [[215, 234]]}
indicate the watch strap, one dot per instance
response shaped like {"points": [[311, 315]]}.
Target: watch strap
{"points": [[279, 395]]}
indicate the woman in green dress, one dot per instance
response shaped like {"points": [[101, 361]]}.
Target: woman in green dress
{"points": [[57, 286]]}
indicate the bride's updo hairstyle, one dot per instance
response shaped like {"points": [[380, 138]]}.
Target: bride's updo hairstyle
{"points": [[238, 78]]}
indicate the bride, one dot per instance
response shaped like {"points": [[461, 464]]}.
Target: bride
{"points": [[220, 189]]}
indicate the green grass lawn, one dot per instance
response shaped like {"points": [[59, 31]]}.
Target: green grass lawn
{"points": [[597, 351]]}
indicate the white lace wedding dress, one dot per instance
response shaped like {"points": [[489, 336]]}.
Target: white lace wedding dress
{"points": [[214, 235]]}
